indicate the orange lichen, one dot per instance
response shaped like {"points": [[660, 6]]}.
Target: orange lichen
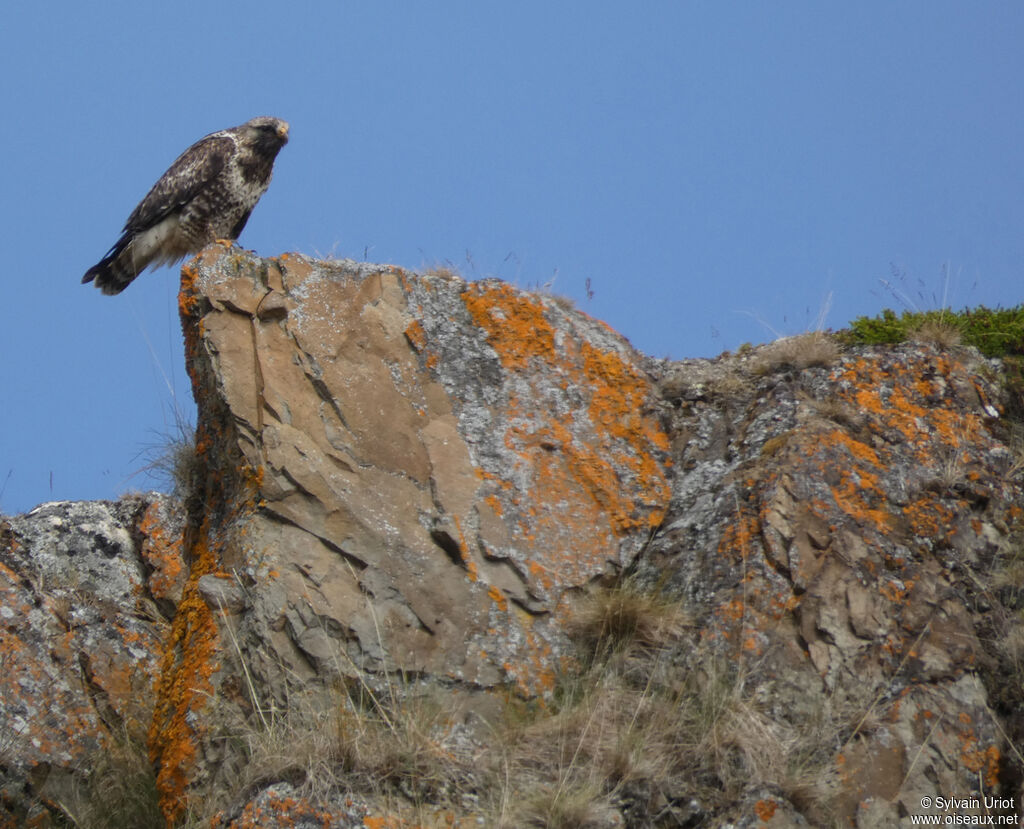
{"points": [[984, 761], [516, 326], [739, 537], [733, 610], [192, 326], [498, 598], [765, 809], [896, 397], [893, 592], [593, 469], [928, 517], [861, 451], [382, 822], [46, 737], [494, 503], [467, 560], [283, 811], [416, 336], [185, 684], [619, 393], [162, 552], [859, 493], [188, 295]]}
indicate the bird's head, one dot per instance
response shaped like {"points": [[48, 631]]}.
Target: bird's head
{"points": [[271, 132]]}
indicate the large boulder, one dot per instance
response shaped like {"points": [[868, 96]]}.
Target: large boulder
{"points": [[81, 642], [405, 474]]}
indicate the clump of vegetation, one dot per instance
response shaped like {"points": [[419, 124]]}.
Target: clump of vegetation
{"points": [[627, 616], [815, 348], [404, 744], [649, 727], [118, 792], [996, 332], [173, 461], [654, 728]]}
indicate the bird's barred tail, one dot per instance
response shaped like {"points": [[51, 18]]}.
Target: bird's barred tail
{"points": [[115, 271]]}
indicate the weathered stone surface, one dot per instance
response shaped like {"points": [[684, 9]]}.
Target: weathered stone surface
{"points": [[405, 481], [80, 639], [281, 807], [429, 468], [406, 473], [841, 542]]}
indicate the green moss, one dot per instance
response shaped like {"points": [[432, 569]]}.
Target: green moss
{"points": [[996, 332]]}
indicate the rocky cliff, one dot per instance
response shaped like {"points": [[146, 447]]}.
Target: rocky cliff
{"points": [[455, 554]]}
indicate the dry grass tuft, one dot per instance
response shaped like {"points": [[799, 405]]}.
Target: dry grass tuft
{"points": [[405, 742], [566, 303], [295, 745], [414, 747], [840, 412], [628, 616], [636, 730], [444, 272], [936, 332], [1015, 443], [173, 460], [566, 805], [800, 352], [118, 792]]}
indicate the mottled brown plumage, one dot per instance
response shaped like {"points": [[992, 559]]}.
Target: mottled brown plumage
{"points": [[207, 194]]}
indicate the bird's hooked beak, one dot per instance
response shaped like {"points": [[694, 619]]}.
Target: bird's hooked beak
{"points": [[282, 130]]}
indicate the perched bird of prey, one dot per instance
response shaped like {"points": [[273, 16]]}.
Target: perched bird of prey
{"points": [[207, 194]]}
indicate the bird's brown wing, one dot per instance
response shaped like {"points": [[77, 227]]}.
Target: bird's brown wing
{"points": [[193, 171]]}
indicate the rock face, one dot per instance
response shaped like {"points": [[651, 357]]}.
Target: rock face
{"points": [[405, 474], [80, 640], [848, 532], [410, 476]]}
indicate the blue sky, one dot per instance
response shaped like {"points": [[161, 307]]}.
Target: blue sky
{"points": [[716, 173]]}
